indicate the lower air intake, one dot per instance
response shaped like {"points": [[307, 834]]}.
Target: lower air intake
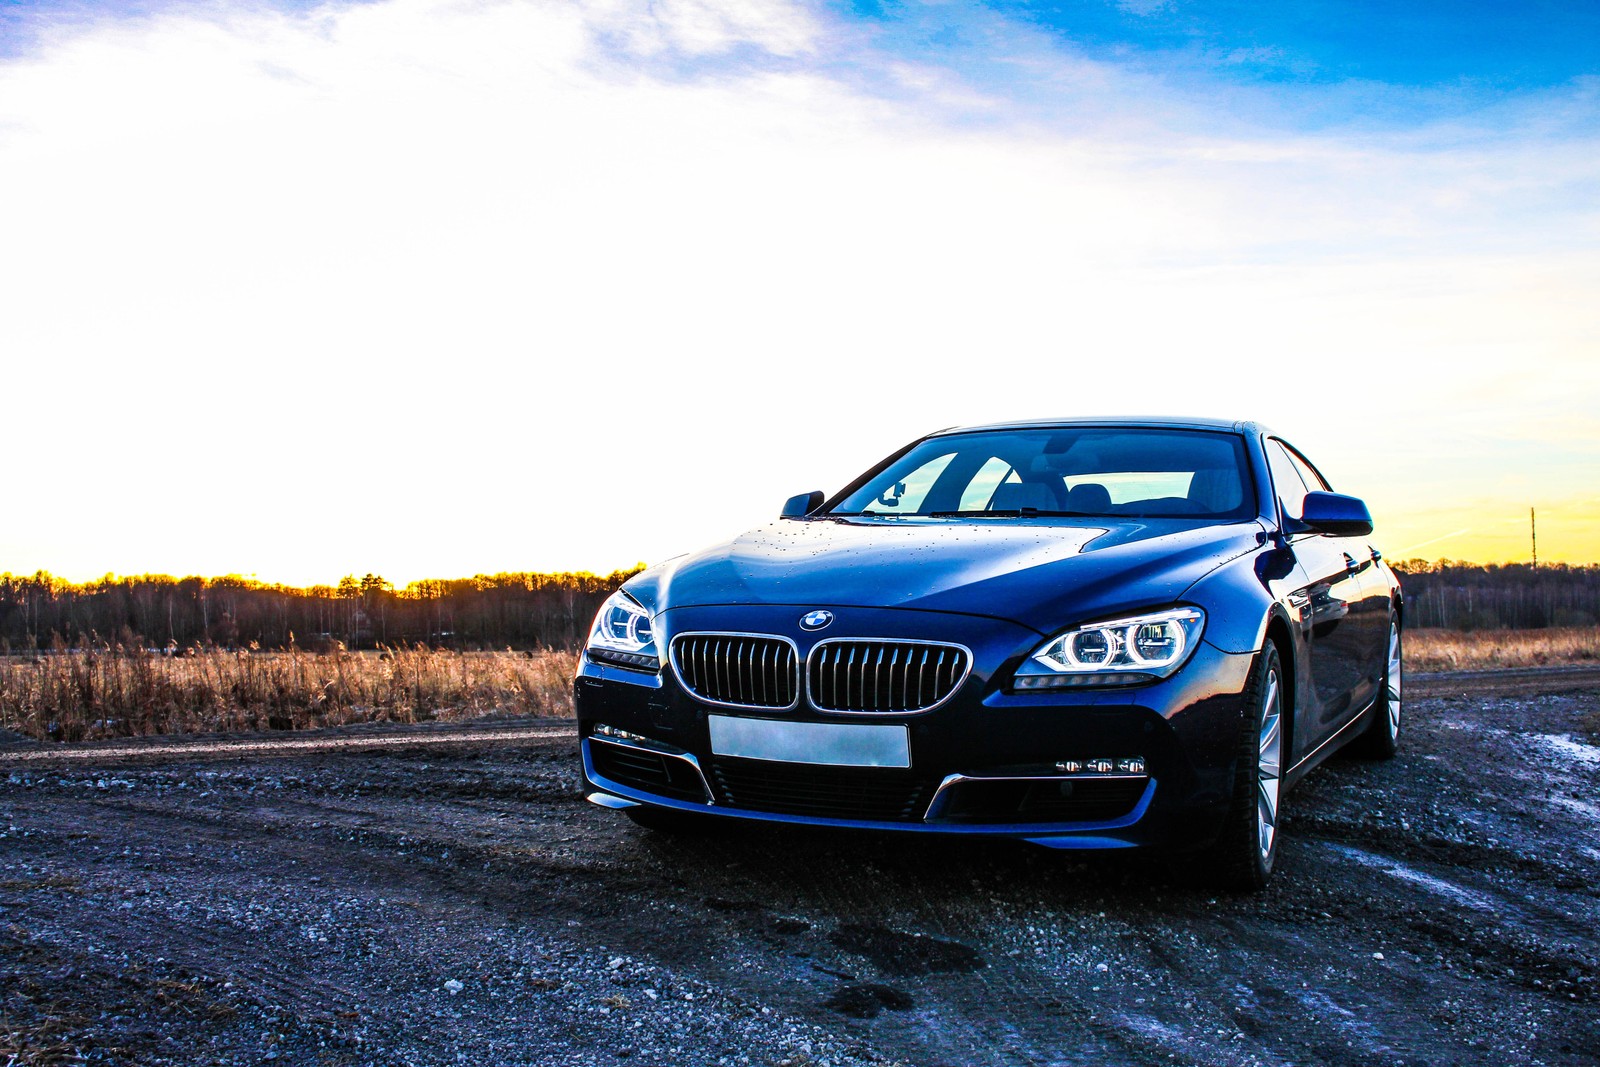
{"points": [[653, 772], [867, 793], [1022, 801]]}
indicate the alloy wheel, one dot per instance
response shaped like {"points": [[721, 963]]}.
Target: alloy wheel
{"points": [[1392, 680], [1269, 763]]}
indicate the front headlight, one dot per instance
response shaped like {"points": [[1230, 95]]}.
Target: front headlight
{"points": [[623, 635], [1139, 648]]}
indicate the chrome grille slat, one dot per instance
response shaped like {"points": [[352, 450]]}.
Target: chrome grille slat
{"points": [[849, 673], [832, 676], [761, 681], [740, 670], [922, 665], [877, 667], [882, 676]]}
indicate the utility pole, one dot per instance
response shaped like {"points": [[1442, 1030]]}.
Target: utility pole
{"points": [[1533, 532]]}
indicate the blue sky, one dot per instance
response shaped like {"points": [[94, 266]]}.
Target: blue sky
{"points": [[1310, 62], [291, 258], [1416, 44], [1443, 53], [1442, 69], [1460, 44]]}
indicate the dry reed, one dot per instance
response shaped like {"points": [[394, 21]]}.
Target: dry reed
{"points": [[1452, 650], [75, 696]]}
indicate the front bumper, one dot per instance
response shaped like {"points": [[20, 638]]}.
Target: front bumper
{"points": [[984, 762]]}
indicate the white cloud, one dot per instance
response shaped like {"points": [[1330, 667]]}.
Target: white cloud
{"points": [[424, 287], [706, 27]]}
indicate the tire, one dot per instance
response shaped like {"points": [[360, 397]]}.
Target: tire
{"points": [[1381, 738], [1244, 853], [669, 821]]}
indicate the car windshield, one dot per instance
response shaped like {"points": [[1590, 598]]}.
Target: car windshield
{"points": [[1098, 471]]}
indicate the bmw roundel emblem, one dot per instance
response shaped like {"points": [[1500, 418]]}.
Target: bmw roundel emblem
{"points": [[815, 620]]}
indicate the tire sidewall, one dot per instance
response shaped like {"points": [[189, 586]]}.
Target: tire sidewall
{"points": [[1381, 739], [1249, 772], [1393, 728]]}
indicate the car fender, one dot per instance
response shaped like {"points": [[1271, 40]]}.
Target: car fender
{"points": [[1242, 597]]}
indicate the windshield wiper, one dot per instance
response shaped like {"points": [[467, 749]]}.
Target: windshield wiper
{"points": [[1004, 513]]}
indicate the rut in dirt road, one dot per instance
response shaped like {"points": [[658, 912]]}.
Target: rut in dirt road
{"points": [[419, 903]]}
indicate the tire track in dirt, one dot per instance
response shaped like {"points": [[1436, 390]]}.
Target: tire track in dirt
{"points": [[279, 745]]}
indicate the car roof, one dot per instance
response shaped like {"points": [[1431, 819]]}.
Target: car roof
{"points": [[1163, 421]]}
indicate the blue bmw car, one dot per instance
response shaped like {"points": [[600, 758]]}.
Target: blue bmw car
{"points": [[1084, 633]]}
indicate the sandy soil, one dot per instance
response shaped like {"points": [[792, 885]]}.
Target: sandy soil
{"points": [[443, 895]]}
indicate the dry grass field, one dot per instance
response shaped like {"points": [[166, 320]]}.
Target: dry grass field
{"points": [[1453, 650], [75, 696]]}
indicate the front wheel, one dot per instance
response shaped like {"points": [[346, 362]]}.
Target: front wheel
{"points": [[1244, 853], [1381, 739]]}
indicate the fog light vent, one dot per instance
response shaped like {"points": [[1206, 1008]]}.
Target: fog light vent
{"points": [[611, 731]]}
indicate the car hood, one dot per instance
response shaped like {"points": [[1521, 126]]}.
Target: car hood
{"points": [[1042, 574]]}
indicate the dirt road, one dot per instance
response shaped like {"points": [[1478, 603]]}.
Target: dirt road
{"points": [[443, 896]]}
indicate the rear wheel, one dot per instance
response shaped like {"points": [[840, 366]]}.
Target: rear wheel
{"points": [[1244, 853], [1381, 739]]}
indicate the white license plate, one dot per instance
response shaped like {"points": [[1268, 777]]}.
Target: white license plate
{"points": [[829, 743]]}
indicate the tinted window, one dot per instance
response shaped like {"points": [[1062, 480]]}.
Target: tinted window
{"points": [[1308, 473], [1286, 480], [1122, 471]]}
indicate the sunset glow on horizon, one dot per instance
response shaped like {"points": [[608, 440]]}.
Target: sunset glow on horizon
{"points": [[426, 290]]}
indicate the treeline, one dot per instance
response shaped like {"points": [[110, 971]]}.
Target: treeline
{"points": [[522, 611], [529, 611], [1475, 596]]}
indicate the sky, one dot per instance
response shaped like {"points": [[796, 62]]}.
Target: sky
{"points": [[428, 288]]}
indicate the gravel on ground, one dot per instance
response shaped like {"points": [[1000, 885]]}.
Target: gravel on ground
{"points": [[443, 895]]}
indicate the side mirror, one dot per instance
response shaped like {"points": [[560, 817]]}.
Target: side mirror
{"points": [[1336, 514], [798, 507]]}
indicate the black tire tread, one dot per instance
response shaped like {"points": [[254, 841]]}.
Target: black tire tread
{"points": [[1233, 861], [1375, 743]]}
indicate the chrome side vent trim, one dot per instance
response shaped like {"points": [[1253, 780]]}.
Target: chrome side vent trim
{"points": [[650, 767]]}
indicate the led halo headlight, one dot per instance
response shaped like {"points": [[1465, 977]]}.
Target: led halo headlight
{"points": [[1126, 651], [624, 635]]}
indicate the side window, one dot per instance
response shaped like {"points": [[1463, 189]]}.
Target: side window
{"points": [[979, 491], [1308, 474], [1286, 479]]}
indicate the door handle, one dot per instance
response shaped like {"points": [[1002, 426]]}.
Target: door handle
{"points": [[1376, 555], [1350, 563]]}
